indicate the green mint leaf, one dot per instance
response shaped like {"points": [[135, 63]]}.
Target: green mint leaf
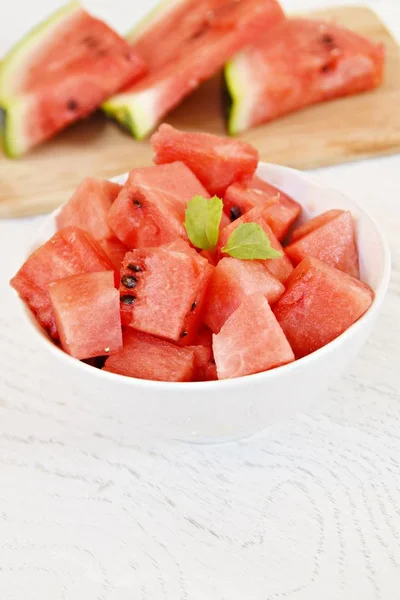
{"points": [[202, 219], [249, 241]]}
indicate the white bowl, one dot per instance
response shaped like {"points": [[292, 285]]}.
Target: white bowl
{"points": [[218, 411]]}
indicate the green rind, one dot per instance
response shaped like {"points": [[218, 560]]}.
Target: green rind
{"points": [[155, 15], [10, 135], [236, 88], [132, 112]]}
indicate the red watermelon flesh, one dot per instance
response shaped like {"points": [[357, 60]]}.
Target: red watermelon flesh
{"points": [[155, 279], [300, 62], [115, 251], [204, 337], [146, 357], [314, 223], [280, 268], [205, 369], [186, 43], [88, 208], [319, 304], [68, 252], [60, 73], [334, 243], [243, 196], [150, 209], [232, 281], [216, 161], [250, 341], [87, 315]]}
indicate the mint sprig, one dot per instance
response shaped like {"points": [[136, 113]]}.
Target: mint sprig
{"points": [[202, 219], [250, 242]]}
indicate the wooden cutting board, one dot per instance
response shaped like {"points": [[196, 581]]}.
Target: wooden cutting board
{"points": [[334, 132]]}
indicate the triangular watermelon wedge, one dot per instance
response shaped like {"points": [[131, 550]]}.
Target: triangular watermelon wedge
{"points": [[59, 73]]}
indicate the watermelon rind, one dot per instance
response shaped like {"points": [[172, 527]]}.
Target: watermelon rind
{"points": [[134, 111], [238, 86], [13, 66], [160, 11]]}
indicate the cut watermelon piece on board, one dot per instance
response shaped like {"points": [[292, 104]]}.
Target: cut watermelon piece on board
{"points": [[68, 252], [86, 309], [184, 43], [319, 304], [150, 209], [300, 62], [216, 161], [333, 242], [281, 267], [59, 73], [250, 341], [88, 208], [146, 357], [162, 291], [232, 281], [243, 196]]}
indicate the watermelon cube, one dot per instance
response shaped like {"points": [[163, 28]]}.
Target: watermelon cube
{"points": [[250, 341], [314, 223], [150, 209], [162, 290], [86, 309], [320, 303], [88, 208], [68, 252], [232, 280], [216, 161], [243, 196], [280, 268], [146, 357], [333, 242]]}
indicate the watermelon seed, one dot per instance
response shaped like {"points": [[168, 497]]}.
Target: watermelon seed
{"points": [[327, 39], [235, 213], [72, 104], [327, 68], [137, 203], [193, 306], [135, 268], [129, 281], [128, 299], [183, 334]]}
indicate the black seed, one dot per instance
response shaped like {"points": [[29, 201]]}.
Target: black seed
{"points": [[183, 334], [72, 104], [235, 213], [135, 268], [194, 306], [128, 299], [137, 203], [327, 39], [129, 281], [90, 41], [327, 68]]}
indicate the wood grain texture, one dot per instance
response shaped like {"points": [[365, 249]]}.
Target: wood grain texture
{"points": [[344, 130]]}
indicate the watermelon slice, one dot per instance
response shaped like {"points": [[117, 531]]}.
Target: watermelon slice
{"points": [[216, 161], [250, 341], [146, 357], [150, 209], [319, 304], [333, 242], [232, 280], [185, 43], [88, 208], [300, 62], [243, 196], [280, 268], [162, 291], [68, 252], [60, 72], [86, 309]]}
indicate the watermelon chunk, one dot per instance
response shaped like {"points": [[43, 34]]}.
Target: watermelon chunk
{"points": [[300, 62], [333, 242], [314, 223], [243, 196], [155, 279], [115, 251], [280, 268], [146, 357], [88, 208], [232, 280], [216, 161], [86, 309], [60, 72], [319, 304], [250, 341], [150, 209], [68, 252], [185, 43], [205, 369]]}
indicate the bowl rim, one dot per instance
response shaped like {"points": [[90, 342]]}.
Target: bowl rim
{"points": [[226, 384]]}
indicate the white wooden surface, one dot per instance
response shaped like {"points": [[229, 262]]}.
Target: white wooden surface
{"points": [[309, 510]]}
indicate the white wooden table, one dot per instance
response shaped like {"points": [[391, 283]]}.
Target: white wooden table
{"points": [[308, 510]]}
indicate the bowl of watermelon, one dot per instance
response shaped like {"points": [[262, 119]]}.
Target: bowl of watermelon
{"points": [[212, 294]]}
